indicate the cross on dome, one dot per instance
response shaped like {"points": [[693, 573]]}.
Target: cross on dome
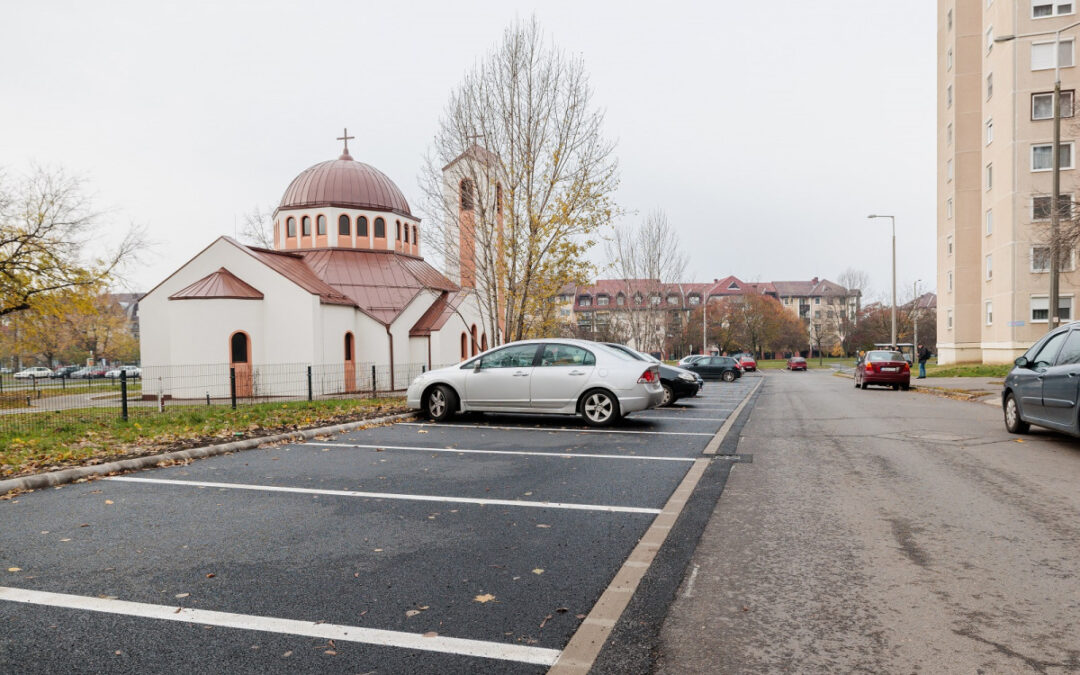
{"points": [[346, 137]]}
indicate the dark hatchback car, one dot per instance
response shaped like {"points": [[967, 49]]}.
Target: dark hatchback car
{"points": [[885, 367], [677, 382], [717, 368], [1044, 386]]}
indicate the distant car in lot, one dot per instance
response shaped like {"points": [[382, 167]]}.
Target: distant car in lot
{"points": [[132, 372], [883, 367], [64, 371], [796, 363], [1042, 387], [747, 362], [677, 382], [90, 373], [568, 377], [37, 372], [717, 368], [686, 360]]}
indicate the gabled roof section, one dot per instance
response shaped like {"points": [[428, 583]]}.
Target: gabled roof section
{"points": [[293, 267], [438, 314], [221, 284], [478, 153]]}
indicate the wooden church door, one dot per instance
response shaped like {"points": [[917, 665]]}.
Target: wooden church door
{"points": [[350, 364], [240, 361]]}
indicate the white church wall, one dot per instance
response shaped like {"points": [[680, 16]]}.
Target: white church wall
{"points": [[404, 361]]}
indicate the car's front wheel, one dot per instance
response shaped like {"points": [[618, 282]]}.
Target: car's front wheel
{"points": [[669, 396], [1013, 423], [600, 408], [729, 376], [441, 403]]}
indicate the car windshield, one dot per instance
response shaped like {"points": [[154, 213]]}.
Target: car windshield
{"points": [[884, 356]]}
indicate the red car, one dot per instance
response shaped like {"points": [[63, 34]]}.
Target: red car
{"points": [[885, 367], [796, 363], [747, 362]]}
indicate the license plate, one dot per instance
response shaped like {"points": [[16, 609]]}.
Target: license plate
{"points": [[889, 370]]}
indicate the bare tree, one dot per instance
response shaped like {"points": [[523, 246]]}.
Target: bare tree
{"points": [[519, 180], [647, 258], [48, 233], [257, 228]]}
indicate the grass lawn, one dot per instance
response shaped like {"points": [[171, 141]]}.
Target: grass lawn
{"points": [[780, 364], [80, 437], [966, 370]]}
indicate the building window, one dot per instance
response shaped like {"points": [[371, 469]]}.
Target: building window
{"points": [[380, 228], [948, 59], [320, 225], [948, 19], [1040, 260], [638, 299], [989, 221], [620, 299], [989, 267], [584, 301], [989, 86], [406, 233], [948, 244], [950, 281], [464, 346], [415, 236], [398, 230], [948, 169], [1041, 207], [672, 299], [654, 299], [1040, 305], [989, 313], [695, 300], [948, 208], [1042, 105], [989, 131], [948, 319], [989, 177], [361, 226], [290, 227], [1042, 55], [466, 195], [948, 133], [344, 227], [1040, 9], [305, 226], [948, 96], [817, 301], [602, 300], [989, 39], [1042, 156]]}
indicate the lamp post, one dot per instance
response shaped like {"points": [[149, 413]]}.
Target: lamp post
{"points": [[1055, 184], [915, 315], [893, 219]]}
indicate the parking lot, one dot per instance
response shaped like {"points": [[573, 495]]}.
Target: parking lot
{"points": [[478, 545]]}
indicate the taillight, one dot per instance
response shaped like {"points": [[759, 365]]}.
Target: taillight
{"points": [[651, 374], [869, 367], [907, 367]]}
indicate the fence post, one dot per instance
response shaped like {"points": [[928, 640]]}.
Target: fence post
{"points": [[123, 395], [309, 383], [232, 386], [423, 368], [373, 387]]}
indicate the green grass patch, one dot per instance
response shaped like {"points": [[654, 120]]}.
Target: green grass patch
{"points": [[94, 436], [967, 370], [827, 362]]}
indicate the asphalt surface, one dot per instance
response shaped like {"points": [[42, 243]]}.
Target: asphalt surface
{"points": [[375, 529], [884, 532]]}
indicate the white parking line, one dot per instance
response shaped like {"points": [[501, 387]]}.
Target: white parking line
{"points": [[576, 431], [269, 624], [390, 495], [567, 455], [680, 418]]}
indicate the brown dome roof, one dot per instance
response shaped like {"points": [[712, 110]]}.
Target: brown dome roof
{"points": [[345, 182]]}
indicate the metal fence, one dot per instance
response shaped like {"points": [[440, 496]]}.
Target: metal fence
{"points": [[44, 404]]}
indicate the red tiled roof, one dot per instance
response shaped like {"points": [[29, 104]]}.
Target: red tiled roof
{"points": [[344, 182], [293, 267], [438, 314], [219, 284]]}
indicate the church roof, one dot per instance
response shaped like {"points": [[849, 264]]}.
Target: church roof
{"points": [[219, 284], [293, 267], [438, 314], [344, 182]]}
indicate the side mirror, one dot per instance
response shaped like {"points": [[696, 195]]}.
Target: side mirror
{"points": [[476, 365], [1021, 362]]}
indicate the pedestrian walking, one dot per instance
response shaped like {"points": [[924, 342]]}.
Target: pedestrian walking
{"points": [[924, 356]]}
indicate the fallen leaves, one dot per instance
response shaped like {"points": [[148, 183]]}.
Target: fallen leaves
{"points": [[182, 595], [538, 571], [486, 597], [431, 634], [108, 501], [14, 569]]}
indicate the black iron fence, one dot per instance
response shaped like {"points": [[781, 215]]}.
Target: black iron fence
{"points": [[50, 403]]}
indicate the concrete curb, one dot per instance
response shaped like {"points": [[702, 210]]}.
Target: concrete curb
{"points": [[42, 480]]}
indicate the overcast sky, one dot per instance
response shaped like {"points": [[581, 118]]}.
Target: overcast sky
{"points": [[766, 131]]}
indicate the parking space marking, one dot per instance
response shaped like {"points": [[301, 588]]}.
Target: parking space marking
{"points": [[390, 495], [714, 444], [545, 429], [530, 453], [268, 624], [681, 419]]}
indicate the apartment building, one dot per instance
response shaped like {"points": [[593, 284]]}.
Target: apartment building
{"points": [[995, 130]]}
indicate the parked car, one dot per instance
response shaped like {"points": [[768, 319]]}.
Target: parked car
{"points": [[64, 371], [717, 368], [34, 373], [796, 363], [686, 360], [747, 362], [91, 372], [885, 367], [570, 377], [132, 372], [1042, 388], [677, 382]]}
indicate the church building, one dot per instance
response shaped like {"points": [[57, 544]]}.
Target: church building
{"points": [[344, 288]]}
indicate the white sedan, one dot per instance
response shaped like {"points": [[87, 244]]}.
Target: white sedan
{"points": [[567, 377], [33, 373]]}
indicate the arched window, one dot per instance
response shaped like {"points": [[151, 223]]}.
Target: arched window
{"points": [[406, 233], [380, 228], [343, 225], [238, 347], [290, 227], [466, 195], [464, 346], [361, 226], [475, 344], [398, 230], [320, 225], [415, 236], [348, 346], [305, 226], [483, 342]]}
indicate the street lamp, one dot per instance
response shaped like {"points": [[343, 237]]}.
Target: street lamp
{"points": [[1055, 185], [893, 219], [915, 314]]}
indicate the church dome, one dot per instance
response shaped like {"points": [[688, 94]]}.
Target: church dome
{"points": [[344, 182]]}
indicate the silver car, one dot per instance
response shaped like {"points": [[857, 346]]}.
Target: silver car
{"points": [[568, 377]]}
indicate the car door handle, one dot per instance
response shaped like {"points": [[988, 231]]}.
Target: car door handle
{"points": [[577, 372], [521, 374]]}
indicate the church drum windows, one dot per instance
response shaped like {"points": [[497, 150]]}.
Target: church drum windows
{"points": [[415, 237], [361, 226], [380, 228], [344, 227], [305, 226], [320, 225], [290, 227], [406, 235]]}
